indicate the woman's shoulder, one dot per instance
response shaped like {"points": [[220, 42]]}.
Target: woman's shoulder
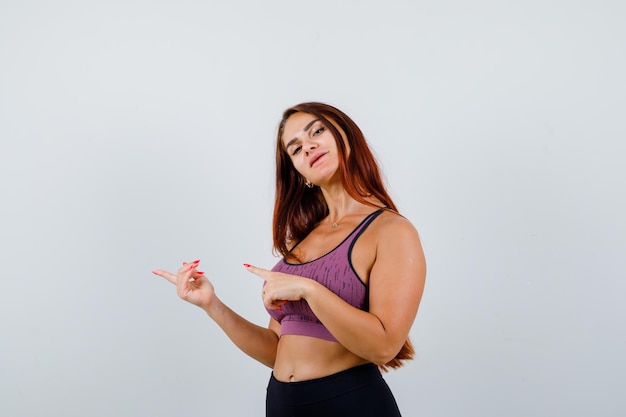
{"points": [[392, 219], [391, 226], [396, 241]]}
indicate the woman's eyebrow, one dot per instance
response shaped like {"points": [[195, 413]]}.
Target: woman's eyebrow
{"points": [[306, 128]]}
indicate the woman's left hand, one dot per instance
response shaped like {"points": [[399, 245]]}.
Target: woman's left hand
{"points": [[281, 288]]}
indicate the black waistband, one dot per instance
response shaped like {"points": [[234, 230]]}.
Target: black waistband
{"points": [[319, 389]]}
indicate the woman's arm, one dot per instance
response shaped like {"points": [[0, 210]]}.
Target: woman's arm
{"points": [[258, 342], [396, 283]]}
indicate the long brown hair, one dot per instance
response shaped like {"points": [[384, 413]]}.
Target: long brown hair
{"points": [[297, 208]]}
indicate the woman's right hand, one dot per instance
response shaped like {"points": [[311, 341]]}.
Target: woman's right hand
{"points": [[191, 284]]}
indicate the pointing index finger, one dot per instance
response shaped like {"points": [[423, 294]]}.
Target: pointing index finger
{"points": [[167, 275], [260, 272]]}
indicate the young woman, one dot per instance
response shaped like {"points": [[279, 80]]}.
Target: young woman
{"points": [[343, 298]]}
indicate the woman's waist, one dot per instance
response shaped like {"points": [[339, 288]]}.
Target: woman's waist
{"points": [[301, 358]]}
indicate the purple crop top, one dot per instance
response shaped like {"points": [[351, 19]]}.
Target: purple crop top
{"points": [[334, 271]]}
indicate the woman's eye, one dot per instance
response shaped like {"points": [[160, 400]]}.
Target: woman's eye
{"points": [[318, 131], [296, 150]]}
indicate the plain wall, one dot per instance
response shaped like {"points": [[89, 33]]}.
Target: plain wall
{"points": [[138, 134]]}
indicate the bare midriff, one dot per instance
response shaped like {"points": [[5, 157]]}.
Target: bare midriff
{"points": [[301, 358]]}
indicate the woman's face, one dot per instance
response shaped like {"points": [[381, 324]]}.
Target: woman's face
{"points": [[312, 148]]}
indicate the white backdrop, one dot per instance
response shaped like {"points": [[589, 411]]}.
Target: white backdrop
{"points": [[138, 134]]}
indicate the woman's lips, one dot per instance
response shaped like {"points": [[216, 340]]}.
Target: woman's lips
{"points": [[316, 158]]}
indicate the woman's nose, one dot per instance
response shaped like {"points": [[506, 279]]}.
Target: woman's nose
{"points": [[309, 146]]}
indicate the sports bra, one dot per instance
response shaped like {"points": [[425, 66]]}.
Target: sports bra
{"points": [[333, 270]]}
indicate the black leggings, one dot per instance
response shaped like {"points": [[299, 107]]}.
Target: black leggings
{"points": [[359, 391]]}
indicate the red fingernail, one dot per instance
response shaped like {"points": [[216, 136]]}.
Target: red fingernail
{"points": [[200, 272], [246, 265], [279, 308], [154, 272], [197, 261]]}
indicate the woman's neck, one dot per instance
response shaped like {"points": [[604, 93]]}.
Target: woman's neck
{"points": [[341, 205]]}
